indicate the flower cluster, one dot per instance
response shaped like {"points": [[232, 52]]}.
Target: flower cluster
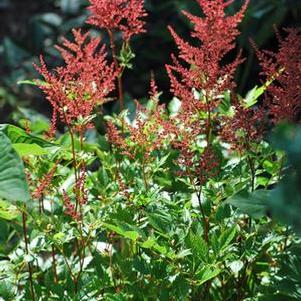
{"points": [[122, 15], [79, 189], [200, 83], [83, 83], [70, 209], [283, 99], [44, 183]]}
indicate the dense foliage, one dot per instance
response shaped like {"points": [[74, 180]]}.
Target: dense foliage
{"points": [[194, 200]]}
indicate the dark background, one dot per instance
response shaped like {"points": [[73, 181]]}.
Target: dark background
{"points": [[29, 28]]}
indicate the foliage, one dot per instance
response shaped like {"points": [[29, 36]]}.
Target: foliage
{"points": [[177, 202]]}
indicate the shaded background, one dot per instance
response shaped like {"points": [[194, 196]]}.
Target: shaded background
{"points": [[29, 28]]}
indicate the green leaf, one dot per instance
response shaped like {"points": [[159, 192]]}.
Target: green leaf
{"points": [[123, 229], [181, 287], [25, 149], [284, 202], [206, 273], [35, 82], [13, 184], [151, 243], [198, 246], [174, 106], [254, 94], [8, 211], [253, 204], [18, 135], [226, 238], [133, 235]]}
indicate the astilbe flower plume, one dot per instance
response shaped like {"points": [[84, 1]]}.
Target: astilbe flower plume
{"points": [[121, 15], [203, 71], [283, 98], [70, 209], [79, 189], [83, 83], [75, 200], [44, 183]]}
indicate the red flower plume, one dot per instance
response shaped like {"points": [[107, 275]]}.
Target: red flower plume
{"points": [[283, 97], [84, 82], [203, 72], [123, 15]]}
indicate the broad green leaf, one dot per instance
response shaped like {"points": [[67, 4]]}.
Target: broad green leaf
{"points": [[149, 243], [254, 94], [25, 149], [253, 204], [133, 235], [13, 184], [182, 287], [7, 290], [161, 222], [18, 135], [284, 202]]}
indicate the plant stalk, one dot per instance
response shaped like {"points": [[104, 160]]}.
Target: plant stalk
{"points": [[119, 79], [24, 222]]}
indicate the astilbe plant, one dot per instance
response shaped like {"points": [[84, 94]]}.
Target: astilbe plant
{"points": [[201, 82], [169, 203]]}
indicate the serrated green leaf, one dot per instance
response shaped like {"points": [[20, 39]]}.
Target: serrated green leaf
{"points": [[226, 238]]}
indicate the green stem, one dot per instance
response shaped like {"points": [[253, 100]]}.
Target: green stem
{"points": [[54, 264], [144, 174]]}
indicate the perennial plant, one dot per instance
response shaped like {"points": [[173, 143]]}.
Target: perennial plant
{"points": [[173, 202]]}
